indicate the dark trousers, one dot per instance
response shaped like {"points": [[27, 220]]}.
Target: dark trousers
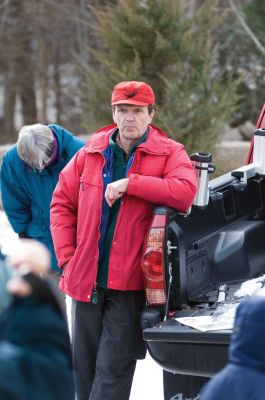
{"points": [[107, 341]]}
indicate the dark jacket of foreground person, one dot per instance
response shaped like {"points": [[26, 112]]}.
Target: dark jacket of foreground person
{"points": [[244, 377], [35, 357]]}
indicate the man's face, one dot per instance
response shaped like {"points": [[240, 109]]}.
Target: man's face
{"points": [[132, 121]]}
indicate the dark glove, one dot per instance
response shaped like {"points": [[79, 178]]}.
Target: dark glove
{"points": [[43, 290]]}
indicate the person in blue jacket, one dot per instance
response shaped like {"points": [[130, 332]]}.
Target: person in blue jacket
{"points": [[244, 376], [35, 351], [29, 174]]}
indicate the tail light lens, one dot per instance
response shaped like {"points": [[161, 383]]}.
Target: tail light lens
{"points": [[153, 262]]}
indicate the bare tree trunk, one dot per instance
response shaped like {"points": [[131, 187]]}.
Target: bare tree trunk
{"points": [[23, 63], [57, 83], [25, 79], [8, 129], [43, 81], [42, 63]]}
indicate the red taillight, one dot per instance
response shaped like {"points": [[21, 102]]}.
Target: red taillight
{"points": [[153, 266]]}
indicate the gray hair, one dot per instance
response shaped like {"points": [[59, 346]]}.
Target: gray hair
{"points": [[35, 145]]}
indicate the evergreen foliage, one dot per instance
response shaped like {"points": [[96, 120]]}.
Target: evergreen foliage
{"points": [[255, 14], [244, 60], [158, 42], [253, 87]]}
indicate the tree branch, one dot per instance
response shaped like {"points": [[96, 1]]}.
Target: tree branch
{"points": [[247, 29]]}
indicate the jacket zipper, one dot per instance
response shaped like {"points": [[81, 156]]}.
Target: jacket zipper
{"points": [[122, 201], [94, 292]]}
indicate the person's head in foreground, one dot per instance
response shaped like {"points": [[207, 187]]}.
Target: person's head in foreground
{"points": [[35, 353]]}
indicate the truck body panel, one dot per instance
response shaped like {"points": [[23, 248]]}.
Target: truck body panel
{"points": [[220, 244]]}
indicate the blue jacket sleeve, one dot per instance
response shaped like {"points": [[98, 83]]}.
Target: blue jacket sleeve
{"points": [[16, 202]]}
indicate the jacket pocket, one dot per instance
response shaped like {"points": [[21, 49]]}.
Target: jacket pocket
{"points": [[135, 239], [150, 166], [90, 178]]}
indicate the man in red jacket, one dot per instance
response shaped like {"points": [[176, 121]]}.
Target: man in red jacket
{"points": [[100, 211]]}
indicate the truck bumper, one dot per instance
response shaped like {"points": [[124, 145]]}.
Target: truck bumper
{"points": [[180, 349]]}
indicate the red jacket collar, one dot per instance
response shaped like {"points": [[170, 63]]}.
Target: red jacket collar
{"points": [[157, 141]]}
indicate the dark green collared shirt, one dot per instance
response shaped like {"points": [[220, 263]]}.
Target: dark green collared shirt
{"points": [[119, 172]]}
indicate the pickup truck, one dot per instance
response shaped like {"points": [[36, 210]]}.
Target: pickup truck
{"points": [[195, 262]]}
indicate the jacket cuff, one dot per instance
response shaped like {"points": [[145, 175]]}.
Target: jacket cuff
{"points": [[133, 180]]}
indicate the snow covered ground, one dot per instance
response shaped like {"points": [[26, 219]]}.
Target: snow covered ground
{"points": [[147, 382]]}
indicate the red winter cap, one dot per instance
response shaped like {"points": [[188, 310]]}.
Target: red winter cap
{"points": [[133, 92]]}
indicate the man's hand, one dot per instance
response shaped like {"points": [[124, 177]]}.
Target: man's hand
{"points": [[115, 190]]}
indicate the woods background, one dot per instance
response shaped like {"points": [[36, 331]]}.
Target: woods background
{"points": [[205, 59]]}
